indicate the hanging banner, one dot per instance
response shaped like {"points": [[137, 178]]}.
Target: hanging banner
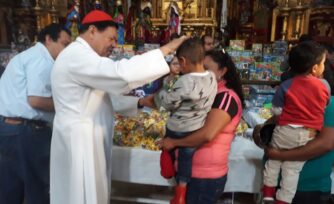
{"points": [[223, 18]]}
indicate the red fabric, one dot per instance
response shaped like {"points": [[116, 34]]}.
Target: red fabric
{"points": [[305, 103], [96, 16], [166, 165]]}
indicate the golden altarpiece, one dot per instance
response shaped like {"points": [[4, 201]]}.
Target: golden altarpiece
{"points": [[29, 16], [281, 20], [255, 20], [291, 18], [198, 17]]}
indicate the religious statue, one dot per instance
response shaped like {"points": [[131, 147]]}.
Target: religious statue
{"points": [[97, 5], [143, 24], [119, 19], [73, 19], [245, 11], [174, 21], [130, 19]]}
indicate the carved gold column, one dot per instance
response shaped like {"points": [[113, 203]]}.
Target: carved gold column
{"points": [[285, 13], [299, 13], [159, 9], [38, 12], [199, 7], [213, 9], [53, 12]]}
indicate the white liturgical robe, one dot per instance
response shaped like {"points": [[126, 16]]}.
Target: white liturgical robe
{"points": [[82, 83]]}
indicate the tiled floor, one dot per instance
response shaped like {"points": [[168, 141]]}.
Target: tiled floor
{"points": [[240, 198], [125, 193]]}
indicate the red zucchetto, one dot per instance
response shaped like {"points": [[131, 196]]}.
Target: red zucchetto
{"points": [[96, 16]]}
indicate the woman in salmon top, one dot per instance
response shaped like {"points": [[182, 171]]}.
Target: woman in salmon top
{"points": [[210, 161]]}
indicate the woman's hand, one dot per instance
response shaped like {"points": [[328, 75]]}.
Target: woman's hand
{"points": [[272, 153], [166, 143]]}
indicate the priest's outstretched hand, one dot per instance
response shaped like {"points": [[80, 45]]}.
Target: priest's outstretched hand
{"points": [[171, 47]]}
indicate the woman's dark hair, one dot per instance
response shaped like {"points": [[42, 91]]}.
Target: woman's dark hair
{"points": [[101, 26], [203, 38], [304, 56], [53, 30], [329, 74], [231, 77]]}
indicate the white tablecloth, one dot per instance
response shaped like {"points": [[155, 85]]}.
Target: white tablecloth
{"points": [[245, 167], [252, 118], [142, 166]]}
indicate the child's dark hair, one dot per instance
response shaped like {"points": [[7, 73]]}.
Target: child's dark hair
{"points": [[304, 56], [53, 30], [231, 77], [305, 38], [192, 50]]}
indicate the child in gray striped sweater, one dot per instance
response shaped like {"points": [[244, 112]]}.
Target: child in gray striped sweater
{"points": [[189, 100]]}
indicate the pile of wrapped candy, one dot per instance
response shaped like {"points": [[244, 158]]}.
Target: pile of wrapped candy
{"points": [[242, 128], [265, 113], [140, 131]]}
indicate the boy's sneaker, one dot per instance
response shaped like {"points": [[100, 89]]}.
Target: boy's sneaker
{"points": [[268, 194]]}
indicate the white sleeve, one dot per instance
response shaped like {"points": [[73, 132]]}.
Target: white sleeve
{"points": [[118, 77]]}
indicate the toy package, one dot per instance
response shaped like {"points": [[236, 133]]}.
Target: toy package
{"points": [[242, 57], [267, 49], [243, 69], [261, 71], [280, 47], [261, 89], [148, 47], [237, 44], [258, 100], [276, 71], [122, 51], [257, 48]]}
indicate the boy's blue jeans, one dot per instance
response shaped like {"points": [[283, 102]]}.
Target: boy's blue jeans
{"points": [[24, 163], [184, 158]]}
